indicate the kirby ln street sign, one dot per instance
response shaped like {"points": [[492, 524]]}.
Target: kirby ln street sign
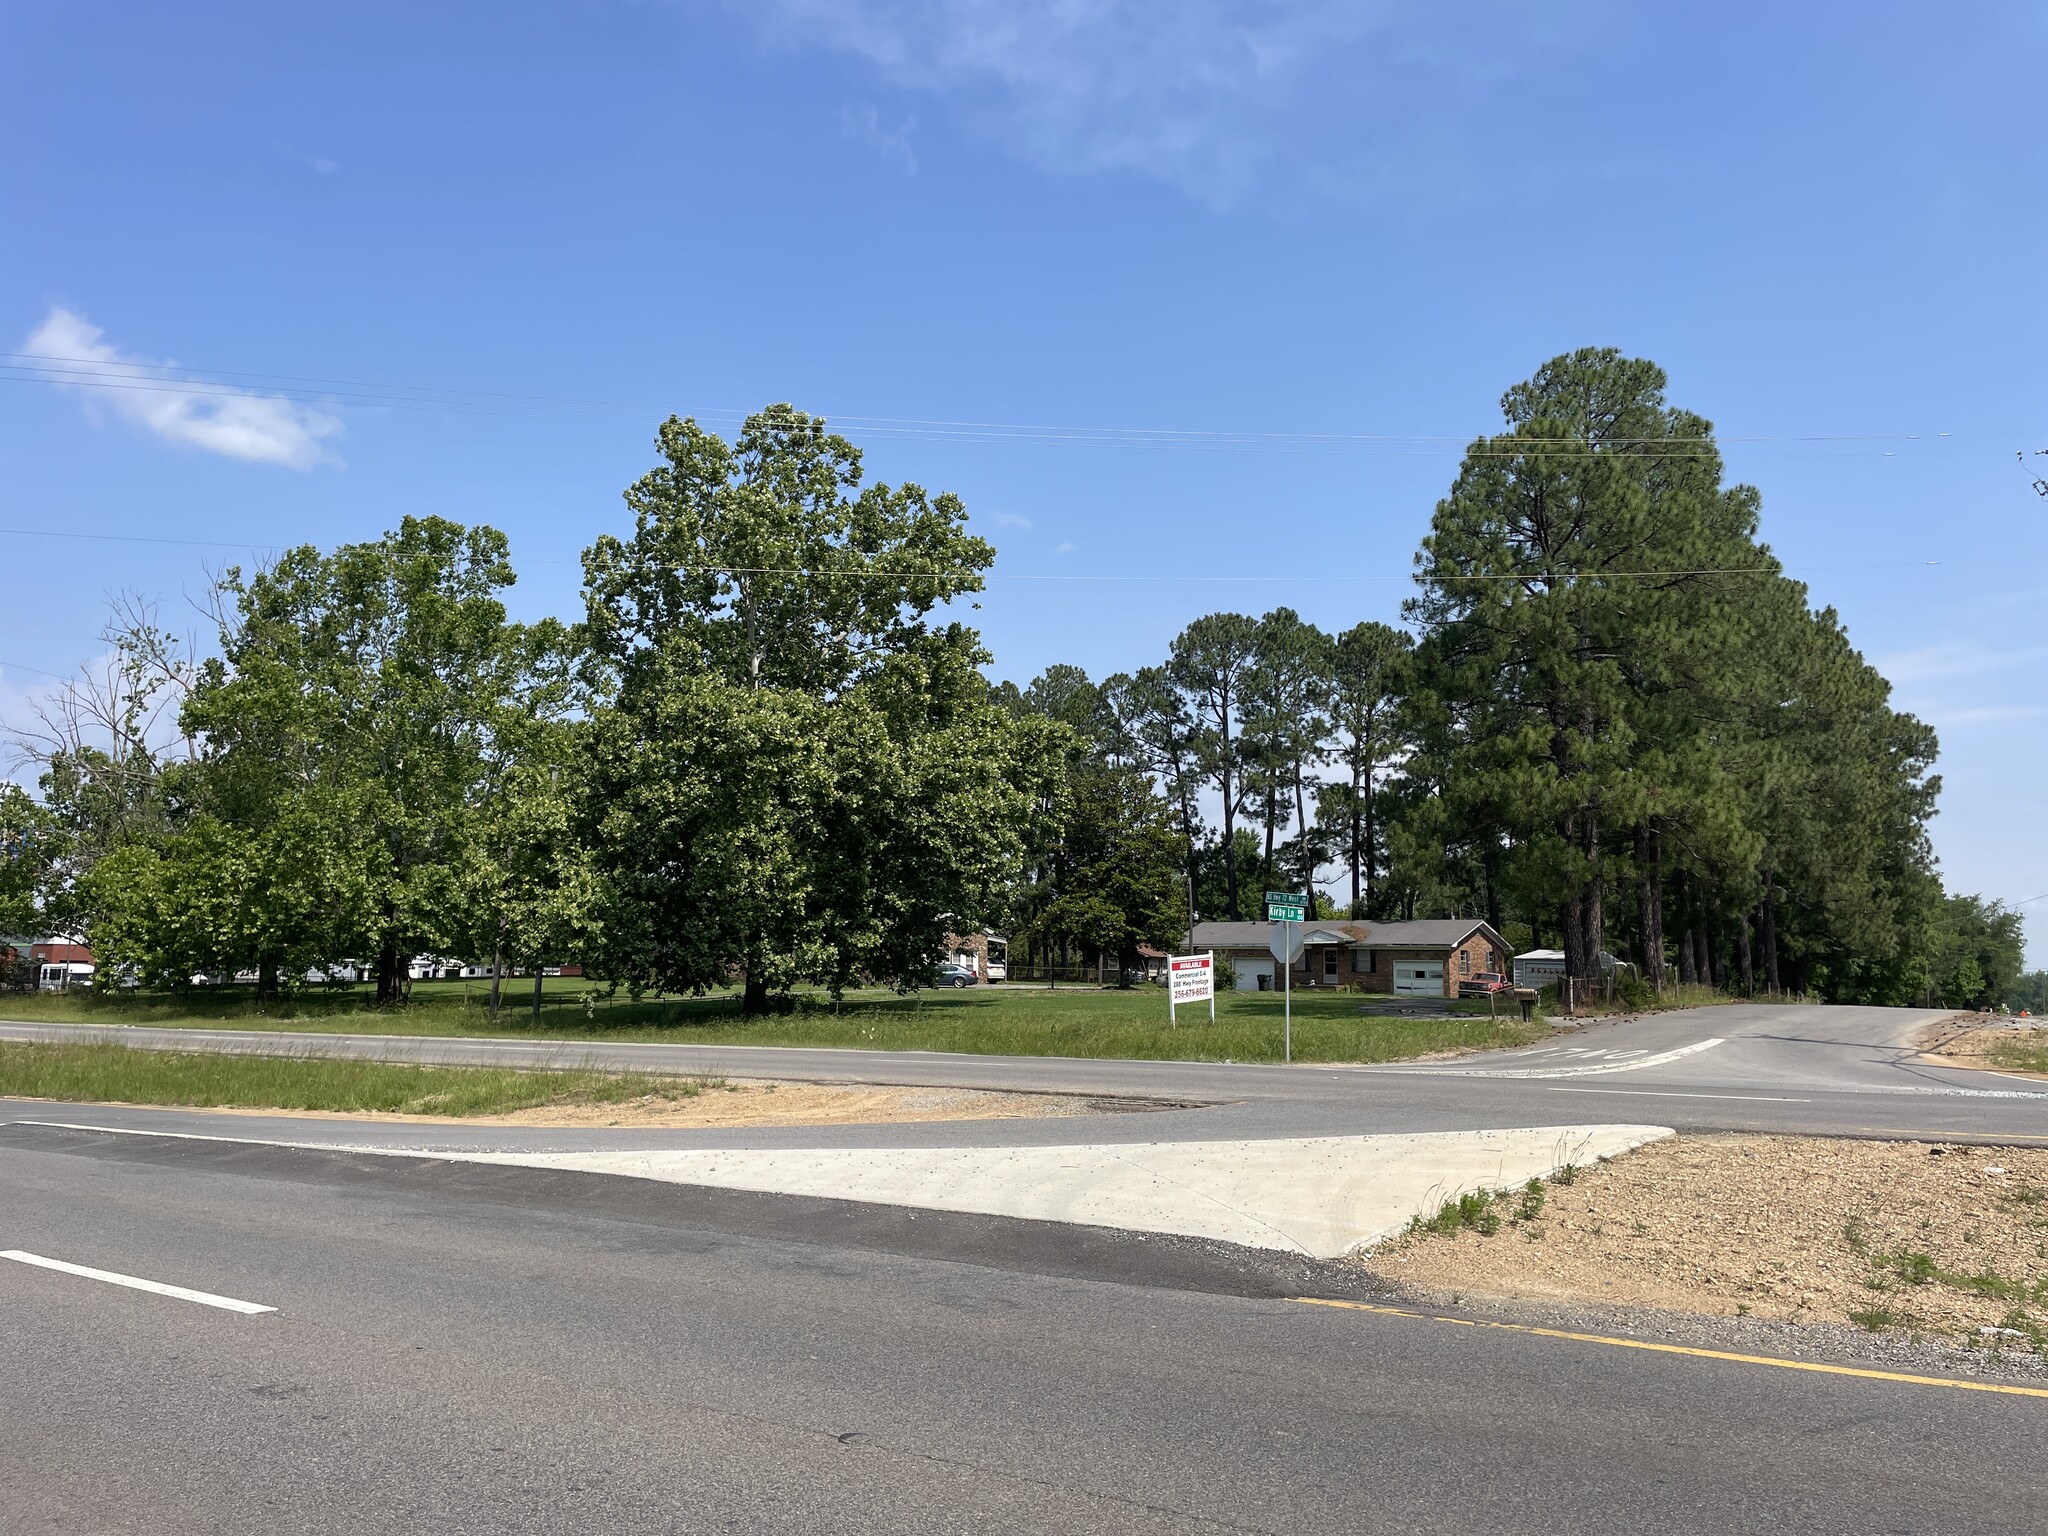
{"points": [[1286, 907]]}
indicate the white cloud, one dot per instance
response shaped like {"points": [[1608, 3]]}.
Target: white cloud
{"points": [[1064, 547], [1011, 520], [859, 121], [179, 407], [1185, 90]]}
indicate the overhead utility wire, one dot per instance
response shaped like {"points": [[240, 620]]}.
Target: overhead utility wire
{"points": [[168, 378], [779, 570], [136, 538], [1507, 446], [22, 666], [1420, 576]]}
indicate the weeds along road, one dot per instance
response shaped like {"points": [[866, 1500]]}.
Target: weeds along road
{"points": [[466, 1349], [1750, 1067]]}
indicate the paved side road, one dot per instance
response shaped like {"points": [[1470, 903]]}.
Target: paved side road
{"points": [[443, 1362], [1750, 1067]]}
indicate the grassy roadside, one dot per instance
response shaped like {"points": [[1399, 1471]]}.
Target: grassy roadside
{"points": [[115, 1074], [981, 1021], [2018, 1052]]}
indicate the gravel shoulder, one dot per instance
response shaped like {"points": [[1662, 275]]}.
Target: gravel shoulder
{"points": [[1904, 1241]]}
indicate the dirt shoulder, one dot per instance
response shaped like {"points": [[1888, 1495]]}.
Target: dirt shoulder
{"points": [[1941, 1241], [1990, 1042], [739, 1103]]}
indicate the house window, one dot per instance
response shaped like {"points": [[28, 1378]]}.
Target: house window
{"points": [[1364, 962], [1464, 962]]}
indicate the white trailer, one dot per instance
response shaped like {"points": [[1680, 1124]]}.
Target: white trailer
{"points": [[63, 975]]}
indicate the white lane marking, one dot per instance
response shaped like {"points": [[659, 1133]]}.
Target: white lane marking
{"points": [[1655, 1093], [156, 1287], [1620, 1061]]}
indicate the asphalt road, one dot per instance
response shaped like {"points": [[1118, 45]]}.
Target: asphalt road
{"points": [[1748, 1067], [466, 1349]]}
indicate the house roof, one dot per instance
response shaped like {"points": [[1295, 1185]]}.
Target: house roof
{"points": [[1428, 933], [1255, 935]]}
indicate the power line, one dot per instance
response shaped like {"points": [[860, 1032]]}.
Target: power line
{"points": [[1094, 576], [133, 538], [19, 666], [96, 373]]}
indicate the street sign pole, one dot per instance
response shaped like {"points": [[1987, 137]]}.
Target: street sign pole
{"points": [[1285, 909]]}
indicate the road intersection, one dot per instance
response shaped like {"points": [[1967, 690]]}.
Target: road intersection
{"points": [[1800, 1069], [498, 1345]]}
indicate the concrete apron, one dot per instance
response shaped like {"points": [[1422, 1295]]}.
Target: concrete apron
{"points": [[1323, 1196]]}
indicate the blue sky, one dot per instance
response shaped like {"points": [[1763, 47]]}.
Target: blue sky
{"points": [[1272, 264]]}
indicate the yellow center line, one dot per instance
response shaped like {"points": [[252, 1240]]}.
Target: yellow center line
{"points": [[1681, 1349]]}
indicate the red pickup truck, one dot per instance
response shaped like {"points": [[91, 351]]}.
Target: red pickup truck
{"points": [[1484, 982]]}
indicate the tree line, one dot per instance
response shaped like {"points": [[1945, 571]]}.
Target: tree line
{"points": [[767, 754]]}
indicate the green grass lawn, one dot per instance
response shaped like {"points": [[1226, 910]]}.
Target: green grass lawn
{"points": [[2022, 1052], [1328, 1026], [115, 1074]]}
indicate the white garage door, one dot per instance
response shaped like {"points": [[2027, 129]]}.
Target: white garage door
{"points": [[1254, 975], [1419, 978]]}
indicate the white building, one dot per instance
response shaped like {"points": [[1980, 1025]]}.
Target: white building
{"points": [[1545, 967]]}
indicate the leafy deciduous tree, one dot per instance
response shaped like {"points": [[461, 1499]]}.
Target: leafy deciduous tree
{"points": [[792, 772]]}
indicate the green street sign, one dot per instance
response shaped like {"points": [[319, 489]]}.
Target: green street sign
{"points": [[1293, 910], [1297, 898]]}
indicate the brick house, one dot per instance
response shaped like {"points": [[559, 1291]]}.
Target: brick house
{"points": [[1427, 958]]}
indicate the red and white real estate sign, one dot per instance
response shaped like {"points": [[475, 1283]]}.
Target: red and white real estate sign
{"points": [[1192, 978]]}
